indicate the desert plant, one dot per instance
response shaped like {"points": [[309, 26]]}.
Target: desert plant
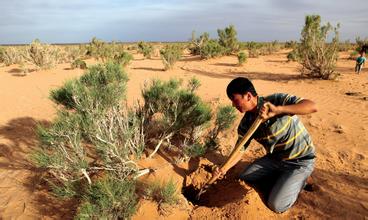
{"points": [[145, 49], [78, 63], [109, 198], [293, 55], [225, 117], [163, 192], [353, 55], [170, 55], [174, 112], [318, 58], [242, 58], [94, 134], [193, 84], [212, 49], [12, 55], [43, 56], [362, 44], [228, 40], [291, 44], [196, 44], [123, 58]]}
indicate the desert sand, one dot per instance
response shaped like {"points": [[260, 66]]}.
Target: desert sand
{"points": [[339, 130]]}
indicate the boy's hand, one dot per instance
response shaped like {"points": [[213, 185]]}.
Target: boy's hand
{"points": [[218, 172], [268, 110]]}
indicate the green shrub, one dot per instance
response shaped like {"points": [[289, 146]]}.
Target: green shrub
{"points": [[196, 45], [182, 113], [353, 55], [318, 58], [123, 58], [225, 117], [242, 58], [78, 63], [145, 49], [109, 198], [228, 40], [361, 43], [163, 193], [211, 49], [170, 55], [293, 55]]}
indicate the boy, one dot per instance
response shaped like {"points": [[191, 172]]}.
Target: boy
{"points": [[290, 151], [360, 62]]}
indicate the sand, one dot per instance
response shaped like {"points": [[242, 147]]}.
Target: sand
{"points": [[339, 130]]}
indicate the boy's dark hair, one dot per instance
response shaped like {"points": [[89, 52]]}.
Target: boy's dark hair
{"points": [[240, 85]]}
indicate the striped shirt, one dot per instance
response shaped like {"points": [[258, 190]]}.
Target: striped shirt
{"points": [[283, 136]]}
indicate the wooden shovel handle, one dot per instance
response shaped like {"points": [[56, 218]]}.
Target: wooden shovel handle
{"points": [[239, 146]]}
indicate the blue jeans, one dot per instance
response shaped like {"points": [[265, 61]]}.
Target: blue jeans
{"points": [[290, 179]]}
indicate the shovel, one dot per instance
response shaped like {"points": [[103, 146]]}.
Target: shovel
{"points": [[233, 154]]}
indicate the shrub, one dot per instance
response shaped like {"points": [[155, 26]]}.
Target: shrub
{"points": [[293, 55], [196, 45], [123, 58], [11, 55], [170, 54], [353, 55], [362, 44], [318, 58], [42, 55], [78, 63], [163, 193], [109, 198], [225, 117], [175, 112], [242, 58], [88, 150], [211, 49], [228, 40], [145, 49], [291, 44]]}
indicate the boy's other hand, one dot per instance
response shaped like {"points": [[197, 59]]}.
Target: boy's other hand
{"points": [[268, 110]]}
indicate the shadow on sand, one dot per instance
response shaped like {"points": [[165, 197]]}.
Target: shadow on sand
{"points": [[21, 141]]}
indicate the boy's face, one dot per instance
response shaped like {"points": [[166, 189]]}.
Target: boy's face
{"points": [[242, 102]]}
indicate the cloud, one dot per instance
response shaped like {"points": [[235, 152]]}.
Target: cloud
{"points": [[80, 20]]}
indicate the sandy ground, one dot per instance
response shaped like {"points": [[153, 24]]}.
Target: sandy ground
{"points": [[339, 130]]}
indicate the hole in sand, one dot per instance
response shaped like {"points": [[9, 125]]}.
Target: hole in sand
{"points": [[224, 191]]}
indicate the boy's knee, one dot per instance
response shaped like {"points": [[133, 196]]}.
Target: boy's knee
{"points": [[278, 206]]}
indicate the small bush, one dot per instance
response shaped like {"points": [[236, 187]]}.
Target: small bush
{"points": [[211, 49], [293, 55], [242, 58], [145, 49], [163, 193], [123, 58], [228, 40], [109, 198], [353, 55], [11, 55], [170, 55], [182, 113], [78, 63], [42, 55], [196, 45], [317, 57], [225, 117]]}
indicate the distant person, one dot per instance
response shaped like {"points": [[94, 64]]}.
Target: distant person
{"points": [[360, 62], [290, 156]]}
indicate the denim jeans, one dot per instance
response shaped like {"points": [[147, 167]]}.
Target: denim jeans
{"points": [[290, 179]]}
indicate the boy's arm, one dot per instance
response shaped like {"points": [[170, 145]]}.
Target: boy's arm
{"points": [[303, 107]]}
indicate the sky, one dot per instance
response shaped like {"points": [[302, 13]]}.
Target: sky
{"points": [[77, 21]]}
